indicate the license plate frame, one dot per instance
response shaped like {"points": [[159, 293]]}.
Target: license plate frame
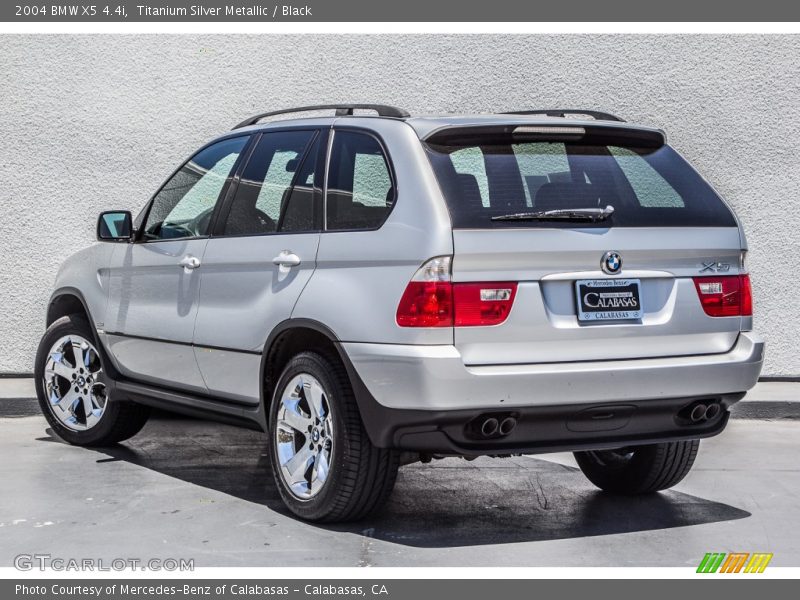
{"points": [[602, 300]]}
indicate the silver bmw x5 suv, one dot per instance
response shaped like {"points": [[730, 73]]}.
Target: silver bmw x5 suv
{"points": [[372, 290]]}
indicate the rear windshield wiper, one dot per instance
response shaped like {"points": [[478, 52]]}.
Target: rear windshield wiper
{"points": [[561, 214]]}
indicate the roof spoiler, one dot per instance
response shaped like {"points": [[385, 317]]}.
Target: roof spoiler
{"points": [[516, 133]]}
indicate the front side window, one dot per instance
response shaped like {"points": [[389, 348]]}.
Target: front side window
{"points": [[183, 207], [360, 191], [266, 200]]}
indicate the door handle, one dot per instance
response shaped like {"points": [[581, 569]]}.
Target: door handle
{"points": [[189, 262], [286, 259]]}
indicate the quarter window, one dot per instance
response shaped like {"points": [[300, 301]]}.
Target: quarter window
{"points": [[183, 207], [360, 191]]}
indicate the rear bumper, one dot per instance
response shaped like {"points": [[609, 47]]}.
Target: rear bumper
{"points": [[401, 389], [435, 378]]}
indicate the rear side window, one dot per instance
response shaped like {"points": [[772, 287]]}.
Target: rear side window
{"points": [[360, 191], [266, 200], [302, 210], [648, 187]]}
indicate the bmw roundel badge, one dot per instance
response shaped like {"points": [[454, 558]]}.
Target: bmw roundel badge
{"points": [[611, 263]]}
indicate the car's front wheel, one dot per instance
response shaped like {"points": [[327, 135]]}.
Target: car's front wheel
{"points": [[324, 464], [639, 469], [75, 391]]}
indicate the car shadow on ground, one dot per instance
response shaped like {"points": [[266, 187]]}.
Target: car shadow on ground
{"points": [[447, 503]]}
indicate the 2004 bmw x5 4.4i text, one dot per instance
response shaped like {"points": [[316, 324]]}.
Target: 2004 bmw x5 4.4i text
{"points": [[372, 290]]}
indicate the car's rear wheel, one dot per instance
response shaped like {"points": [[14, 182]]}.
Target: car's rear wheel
{"points": [[75, 390], [639, 469], [324, 464]]}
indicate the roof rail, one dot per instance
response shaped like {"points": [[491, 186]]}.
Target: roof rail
{"points": [[563, 112], [342, 110]]}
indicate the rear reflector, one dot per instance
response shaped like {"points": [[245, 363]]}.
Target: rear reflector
{"points": [[432, 300], [725, 296]]}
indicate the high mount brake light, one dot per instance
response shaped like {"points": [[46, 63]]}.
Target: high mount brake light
{"points": [[431, 299], [725, 295]]}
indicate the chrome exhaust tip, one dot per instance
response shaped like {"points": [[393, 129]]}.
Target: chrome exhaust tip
{"points": [[713, 411], [489, 427], [507, 425], [698, 413]]}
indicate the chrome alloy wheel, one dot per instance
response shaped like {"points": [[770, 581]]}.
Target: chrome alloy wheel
{"points": [[75, 383], [304, 436]]}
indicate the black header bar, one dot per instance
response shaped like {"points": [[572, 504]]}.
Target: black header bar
{"points": [[138, 11]]}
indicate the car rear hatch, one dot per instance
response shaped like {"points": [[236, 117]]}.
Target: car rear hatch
{"points": [[595, 233]]}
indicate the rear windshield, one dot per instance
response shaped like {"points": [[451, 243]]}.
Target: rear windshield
{"points": [[648, 187]]}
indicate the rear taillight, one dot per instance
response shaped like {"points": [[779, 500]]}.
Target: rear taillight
{"points": [[428, 299], [747, 295], [483, 303], [725, 296], [432, 300], [426, 304]]}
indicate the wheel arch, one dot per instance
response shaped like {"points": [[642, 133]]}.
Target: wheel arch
{"points": [[70, 301], [67, 301], [287, 339], [295, 335]]}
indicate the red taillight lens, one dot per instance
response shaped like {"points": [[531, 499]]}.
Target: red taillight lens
{"points": [[426, 304], [431, 299], [483, 303], [747, 295], [725, 296]]}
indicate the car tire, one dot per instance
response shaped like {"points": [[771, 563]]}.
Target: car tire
{"points": [[89, 414], [639, 469], [324, 465]]}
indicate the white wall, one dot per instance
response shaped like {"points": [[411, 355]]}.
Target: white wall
{"points": [[91, 123]]}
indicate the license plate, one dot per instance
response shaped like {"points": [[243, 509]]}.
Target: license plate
{"points": [[608, 299]]}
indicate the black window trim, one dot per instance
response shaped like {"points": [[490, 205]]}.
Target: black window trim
{"points": [[386, 156], [139, 232], [217, 231]]}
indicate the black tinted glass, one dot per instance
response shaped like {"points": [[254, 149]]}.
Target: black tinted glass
{"points": [[183, 207], [266, 184], [648, 187], [301, 206], [360, 191]]}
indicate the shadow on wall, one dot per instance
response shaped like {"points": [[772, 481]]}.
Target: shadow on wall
{"points": [[447, 503]]}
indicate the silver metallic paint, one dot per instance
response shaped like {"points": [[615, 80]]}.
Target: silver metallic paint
{"points": [[352, 281], [151, 296], [436, 378], [243, 296]]}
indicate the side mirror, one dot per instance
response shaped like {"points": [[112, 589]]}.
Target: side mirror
{"points": [[114, 226]]}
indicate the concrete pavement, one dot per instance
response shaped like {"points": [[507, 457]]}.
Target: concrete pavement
{"points": [[191, 489]]}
